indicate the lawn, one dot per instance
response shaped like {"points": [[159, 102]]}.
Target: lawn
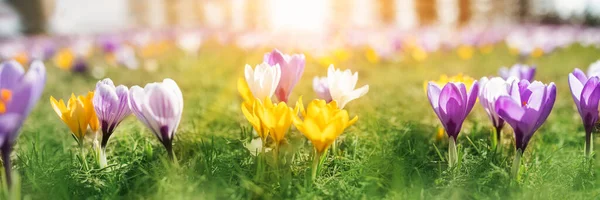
{"points": [[391, 152]]}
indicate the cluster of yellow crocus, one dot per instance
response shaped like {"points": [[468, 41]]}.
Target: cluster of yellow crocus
{"points": [[322, 122], [268, 119], [78, 114], [64, 58]]}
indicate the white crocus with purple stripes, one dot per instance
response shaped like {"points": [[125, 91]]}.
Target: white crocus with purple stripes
{"points": [[112, 106], [159, 106]]}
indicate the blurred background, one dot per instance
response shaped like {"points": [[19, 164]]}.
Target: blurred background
{"points": [[92, 16]]}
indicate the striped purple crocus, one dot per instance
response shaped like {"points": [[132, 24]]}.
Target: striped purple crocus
{"points": [[159, 106], [19, 91], [586, 94], [112, 106], [525, 109], [452, 104], [292, 67]]}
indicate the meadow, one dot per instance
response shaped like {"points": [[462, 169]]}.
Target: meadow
{"points": [[392, 152]]}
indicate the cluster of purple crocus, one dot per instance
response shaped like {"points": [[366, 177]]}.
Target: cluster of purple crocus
{"points": [[523, 104]]}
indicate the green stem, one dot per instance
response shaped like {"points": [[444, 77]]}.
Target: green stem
{"points": [[83, 157], [589, 144], [516, 164], [315, 167], [452, 152]]}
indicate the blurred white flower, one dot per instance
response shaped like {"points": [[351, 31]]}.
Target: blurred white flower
{"points": [[341, 86]]}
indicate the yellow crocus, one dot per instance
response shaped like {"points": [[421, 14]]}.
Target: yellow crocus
{"points": [[277, 119], [245, 92], [94, 122], [251, 115], [64, 59], [76, 114], [465, 52], [372, 56], [444, 79], [322, 123]]}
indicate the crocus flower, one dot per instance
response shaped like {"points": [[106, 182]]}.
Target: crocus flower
{"points": [[491, 89], [586, 94], [321, 88], [322, 123], [292, 67], [112, 106], [19, 92], [519, 72], [159, 106], [125, 55], [452, 103], [525, 110], [77, 114], [594, 69], [190, 42], [341, 86], [263, 80]]}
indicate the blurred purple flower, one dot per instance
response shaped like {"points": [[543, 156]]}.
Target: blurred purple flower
{"points": [[491, 90], [20, 92], [292, 67], [321, 87], [518, 71], [112, 106]]}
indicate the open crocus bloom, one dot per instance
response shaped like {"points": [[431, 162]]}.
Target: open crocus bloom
{"points": [[77, 114], [321, 88], [341, 86], [518, 71], [292, 67], [322, 123], [263, 79], [491, 89], [19, 92], [452, 104], [526, 108], [159, 106], [586, 94]]}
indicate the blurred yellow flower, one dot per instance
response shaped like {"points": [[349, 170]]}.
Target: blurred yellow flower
{"points": [[22, 58], [486, 49], [537, 52], [322, 123], [64, 59], [5, 97], [77, 114], [467, 80], [465, 52], [419, 54], [440, 133], [245, 92], [372, 56]]}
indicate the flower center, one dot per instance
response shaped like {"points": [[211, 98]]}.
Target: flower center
{"points": [[524, 103], [5, 97]]}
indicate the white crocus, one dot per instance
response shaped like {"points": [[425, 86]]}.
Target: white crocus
{"points": [[263, 80], [594, 69], [490, 91], [341, 86]]}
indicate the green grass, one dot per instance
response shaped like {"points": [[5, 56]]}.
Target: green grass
{"points": [[391, 153]]}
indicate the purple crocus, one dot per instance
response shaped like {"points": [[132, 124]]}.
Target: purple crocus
{"points": [[292, 67], [586, 94], [452, 104], [112, 106], [20, 92], [525, 109], [321, 87], [159, 106], [518, 71]]}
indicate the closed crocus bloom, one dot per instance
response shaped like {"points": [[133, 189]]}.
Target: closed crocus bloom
{"points": [[263, 80], [112, 106], [452, 103], [76, 114], [19, 92], [159, 106], [518, 71], [525, 109], [341, 86], [268, 119], [322, 123], [321, 88], [292, 67], [490, 90], [586, 94], [251, 113]]}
